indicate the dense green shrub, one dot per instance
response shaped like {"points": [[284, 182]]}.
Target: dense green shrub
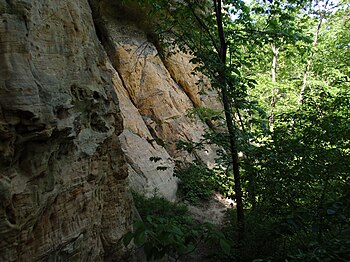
{"points": [[290, 237], [167, 229], [336, 249], [159, 207], [197, 182]]}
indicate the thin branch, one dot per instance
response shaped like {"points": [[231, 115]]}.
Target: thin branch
{"points": [[204, 27]]}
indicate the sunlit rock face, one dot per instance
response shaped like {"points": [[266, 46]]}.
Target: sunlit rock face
{"points": [[156, 95], [63, 189]]}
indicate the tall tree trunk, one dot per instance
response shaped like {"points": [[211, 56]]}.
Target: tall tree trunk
{"points": [[309, 61], [229, 123], [275, 51]]}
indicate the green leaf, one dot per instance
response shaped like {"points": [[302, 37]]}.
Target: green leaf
{"points": [[149, 219], [127, 238], [185, 249], [225, 246], [176, 230], [140, 238]]}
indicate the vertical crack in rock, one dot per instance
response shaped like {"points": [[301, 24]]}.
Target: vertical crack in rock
{"points": [[155, 96], [139, 139], [192, 96], [102, 35]]}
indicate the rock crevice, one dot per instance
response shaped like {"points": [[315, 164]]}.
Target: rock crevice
{"points": [[155, 94]]}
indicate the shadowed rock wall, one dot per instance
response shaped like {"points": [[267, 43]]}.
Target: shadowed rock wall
{"points": [[63, 189], [85, 102]]}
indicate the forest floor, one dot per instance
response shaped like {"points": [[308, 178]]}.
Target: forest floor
{"points": [[212, 211]]}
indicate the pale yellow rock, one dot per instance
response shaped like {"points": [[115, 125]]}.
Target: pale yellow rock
{"points": [[131, 117], [158, 98], [182, 71], [197, 86], [139, 147], [151, 88], [155, 98]]}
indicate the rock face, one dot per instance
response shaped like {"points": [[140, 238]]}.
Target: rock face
{"points": [[63, 188], [86, 107], [155, 97]]}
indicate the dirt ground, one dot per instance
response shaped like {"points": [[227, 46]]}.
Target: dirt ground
{"points": [[213, 212]]}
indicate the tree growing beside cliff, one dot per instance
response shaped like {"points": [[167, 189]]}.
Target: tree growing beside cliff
{"points": [[275, 178], [208, 44], [220, 37]]}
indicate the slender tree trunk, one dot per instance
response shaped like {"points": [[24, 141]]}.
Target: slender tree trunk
{"points": [[275, 51], [229, 123], [309, 61]]}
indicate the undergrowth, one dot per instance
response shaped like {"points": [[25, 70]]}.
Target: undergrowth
{"points": [[196, 182], [167, 229]]}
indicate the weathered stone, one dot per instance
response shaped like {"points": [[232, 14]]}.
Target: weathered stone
{"points": [[68, 81], [147, 176], [155, 96], [196, 85], [150, 171], [63, 189]]}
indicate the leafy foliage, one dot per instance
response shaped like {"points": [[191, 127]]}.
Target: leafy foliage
{"points": [[197, 182], [294, 156], [337, 249], [167, 229], [301, 176]]}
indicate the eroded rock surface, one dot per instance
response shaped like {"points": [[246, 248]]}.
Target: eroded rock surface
{"points": [[85, 102], [155, 95], [63, 188]]}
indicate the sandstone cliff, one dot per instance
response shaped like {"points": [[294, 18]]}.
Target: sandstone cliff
{"points": [[85, 102], [155, 95], [63, 193]]}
